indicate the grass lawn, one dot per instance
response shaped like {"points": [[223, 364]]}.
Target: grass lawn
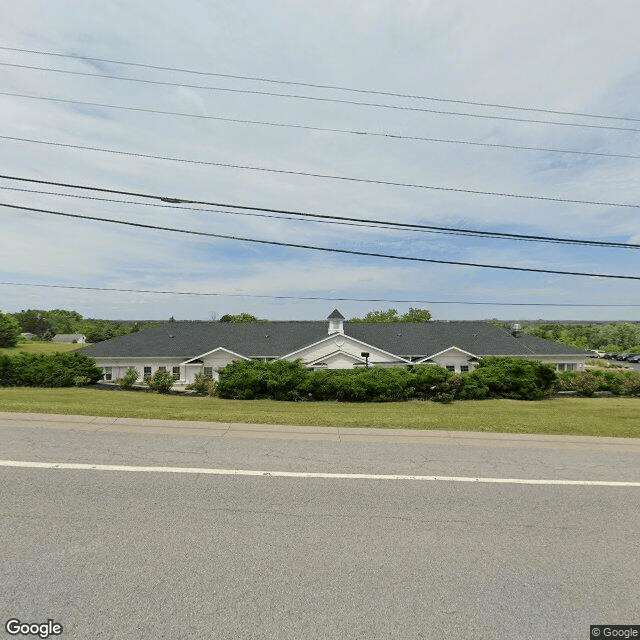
{"points": [[616, 417], [40, 347]]}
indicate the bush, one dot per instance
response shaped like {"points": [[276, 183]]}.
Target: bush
{"points": [[586, 383], [451, 388], [472, 388], [161, 381], [631, 385], [48, 370], [505, 377], [128, 380], [618, 382], [280, 380], [369, 384], [253, 379], [427, 380], [203, 384]]}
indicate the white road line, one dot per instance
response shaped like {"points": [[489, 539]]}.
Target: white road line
{"points": [[305, 474]]}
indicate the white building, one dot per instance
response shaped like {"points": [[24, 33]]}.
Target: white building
{"points": [[70, 338], [187, 348]]}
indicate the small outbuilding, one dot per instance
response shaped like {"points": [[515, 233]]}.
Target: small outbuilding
{"points": [[70, 338]]}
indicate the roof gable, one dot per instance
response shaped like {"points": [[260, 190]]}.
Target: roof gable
{"points": [[340, 340], [335, 355], [449, 351], [200, 357]]}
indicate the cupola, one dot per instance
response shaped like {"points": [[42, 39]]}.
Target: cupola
{"points": [[336, 320]]}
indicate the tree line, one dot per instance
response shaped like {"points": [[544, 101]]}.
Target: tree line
{"points": [[615, 337], [45, 324]]}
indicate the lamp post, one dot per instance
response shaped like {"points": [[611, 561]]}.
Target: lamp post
{"points": [[365, 355]]}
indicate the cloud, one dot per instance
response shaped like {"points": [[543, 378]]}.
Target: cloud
{"points": [[526, 53]]}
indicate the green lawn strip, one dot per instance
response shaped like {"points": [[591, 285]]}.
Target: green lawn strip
{"points": [[613, 417], [41, 347]]}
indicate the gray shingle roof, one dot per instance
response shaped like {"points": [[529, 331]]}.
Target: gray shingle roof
{"points": [[187, 339]]}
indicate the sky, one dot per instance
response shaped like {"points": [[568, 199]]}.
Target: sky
{"points": [[576, 56]]}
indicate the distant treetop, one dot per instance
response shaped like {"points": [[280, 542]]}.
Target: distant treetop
{"points": [[391, 315], [240, 317]]}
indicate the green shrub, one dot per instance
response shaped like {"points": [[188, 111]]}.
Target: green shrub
{"points": [[48, 370], [254, 379], [586, 383], [631, 384], [472, 388], [617, 381], [161, 381], [505, 377], [427, 380], [128, 380], [368, 384], [6, 371], [281, 380], [451, 388], [203, 384]]}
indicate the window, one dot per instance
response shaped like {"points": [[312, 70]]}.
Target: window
{"points": [[147, 373], [570, 366], [162, 368], [464, 368], [560, 366], [208, 371], [450, 367], [108, 373], [176, 372]]}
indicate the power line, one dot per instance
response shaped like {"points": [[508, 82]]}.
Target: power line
{"points": [[288, 125], [315, 248], [332, 298], [326, 176], [349, 221], [294, 96], [322, 86], [340, 221]]}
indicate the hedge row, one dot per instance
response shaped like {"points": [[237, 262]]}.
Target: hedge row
{"points": [[281, 380], [586, 383], [48, 370]]}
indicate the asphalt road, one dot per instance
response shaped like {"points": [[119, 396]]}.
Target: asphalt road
{"points": [[137, 554]]}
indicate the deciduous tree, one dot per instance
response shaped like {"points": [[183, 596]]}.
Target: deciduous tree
{"points": [[9, 330]]}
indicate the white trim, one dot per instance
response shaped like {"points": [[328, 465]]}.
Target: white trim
{"points": [[453, 346], [203, 355], [347, 337]]}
